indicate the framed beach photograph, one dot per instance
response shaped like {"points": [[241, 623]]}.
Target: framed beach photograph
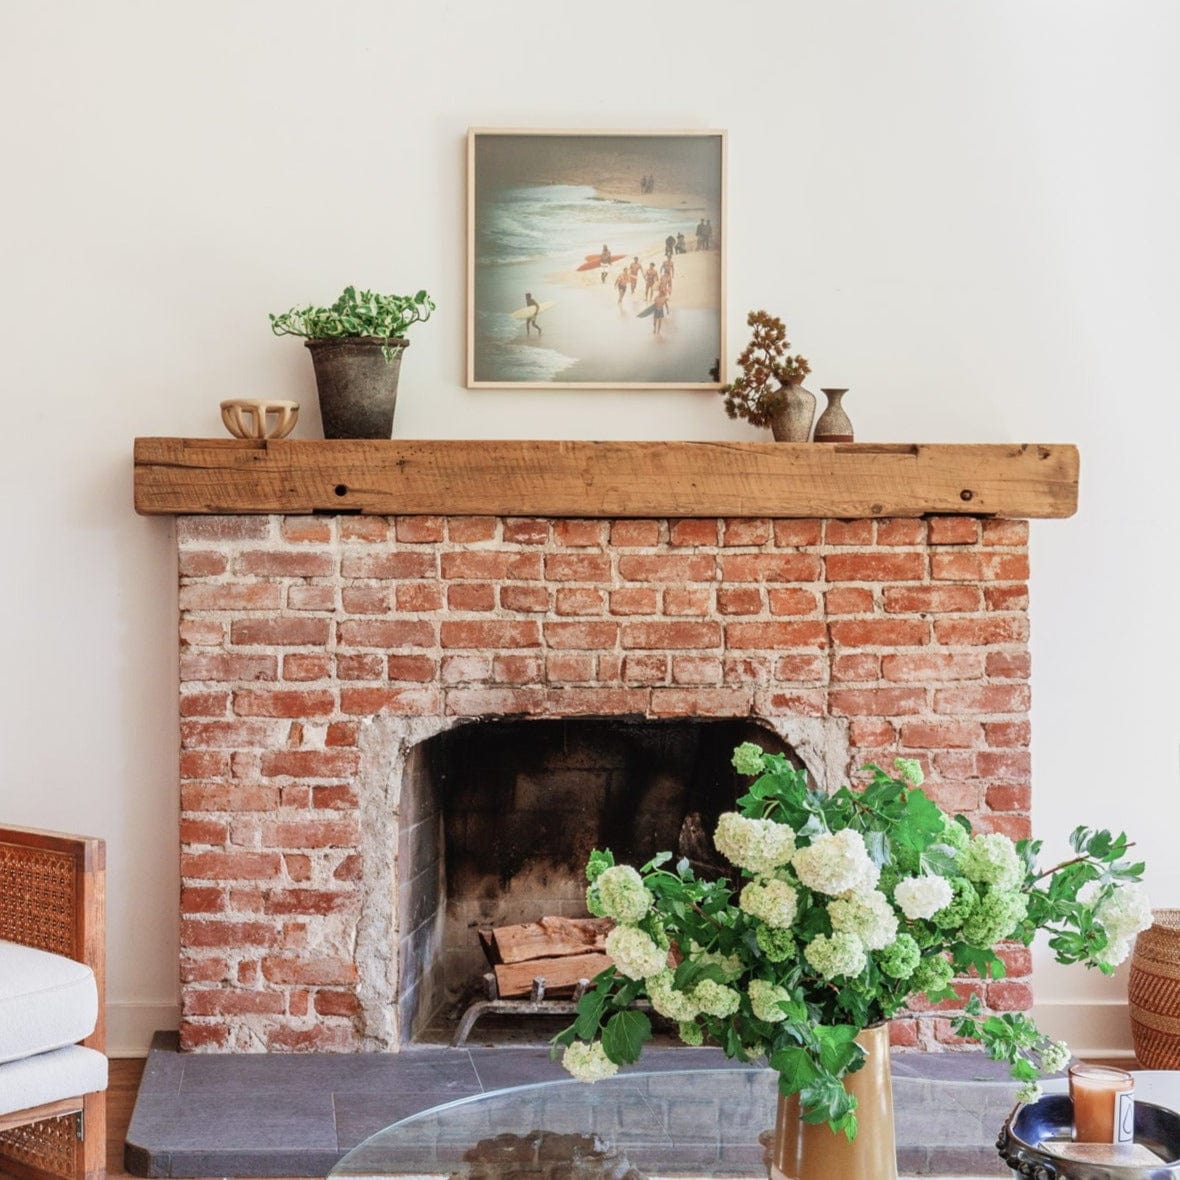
{"points": [[596, 260]]}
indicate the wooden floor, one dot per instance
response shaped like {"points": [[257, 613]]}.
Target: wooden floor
{"points": [[124, 1085]]}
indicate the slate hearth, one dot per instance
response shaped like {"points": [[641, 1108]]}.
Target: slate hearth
{"points": [[297, 1115]]}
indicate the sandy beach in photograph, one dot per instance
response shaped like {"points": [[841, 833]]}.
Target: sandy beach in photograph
{"points": [[545, 217]]}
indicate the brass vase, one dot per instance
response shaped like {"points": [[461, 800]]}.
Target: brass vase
{"points": [[812, 1151]]}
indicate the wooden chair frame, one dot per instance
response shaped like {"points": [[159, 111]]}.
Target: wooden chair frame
{"points": [[53, 897]]}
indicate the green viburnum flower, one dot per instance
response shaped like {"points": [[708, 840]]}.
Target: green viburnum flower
{"points": [[776, 945], [965, 899], [931, 975], [954, 834], [748, 759], [765, 998], [836, 863], [900, 960], [715, 999], [926, 934], [588, 1062], [759, 845], [635, 954], [690, 1032], [867, 914], [992, 859], [996, 916], [773, 901], [668, 1001], [911, 770], [622, 895], [839, 954], [1028, 1093]]}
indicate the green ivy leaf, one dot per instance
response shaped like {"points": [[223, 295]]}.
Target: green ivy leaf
{"points": [[624, 1036], [590, 1009], [795, 1067], [838, 1050]]}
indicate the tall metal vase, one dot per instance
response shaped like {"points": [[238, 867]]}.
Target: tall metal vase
{"points": [[812, 1151]]}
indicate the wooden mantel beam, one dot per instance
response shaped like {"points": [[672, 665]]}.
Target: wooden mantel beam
{"points": [[490, 477]]}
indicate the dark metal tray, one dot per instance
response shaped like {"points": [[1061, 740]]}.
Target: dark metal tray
{"points": [[1051, 1117]]}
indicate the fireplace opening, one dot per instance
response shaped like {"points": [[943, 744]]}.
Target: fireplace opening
{"points": [[497, 819]]}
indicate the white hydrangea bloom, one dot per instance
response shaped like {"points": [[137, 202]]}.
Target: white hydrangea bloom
{"points": [[765, 998], [867, 914], [992, 859], [716, 999], [588, 1062], [1122, 915], [622, 894], [839, 954], [834, 864], [635, 954], [922, 897], [771, 900], [667, 1001], [1029, 1092], [1055, 1057], [759, 845]]}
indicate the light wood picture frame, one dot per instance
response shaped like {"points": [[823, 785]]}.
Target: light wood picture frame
{"points": [[595, 259]]}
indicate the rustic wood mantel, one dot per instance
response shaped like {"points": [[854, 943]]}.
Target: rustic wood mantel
{"points": [[490, 477]]}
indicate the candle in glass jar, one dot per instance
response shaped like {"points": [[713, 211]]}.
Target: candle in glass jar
{"points": [[1103, 1104]]}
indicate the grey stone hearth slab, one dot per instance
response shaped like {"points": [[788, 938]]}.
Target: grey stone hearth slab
{"points": [[297, 1114]]}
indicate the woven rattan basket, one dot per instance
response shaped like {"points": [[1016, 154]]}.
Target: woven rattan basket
{"points": [[1154, 993]]}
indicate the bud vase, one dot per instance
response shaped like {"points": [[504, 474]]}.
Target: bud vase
{"points": [[833, 425], [813, 1151], [791, 421]]}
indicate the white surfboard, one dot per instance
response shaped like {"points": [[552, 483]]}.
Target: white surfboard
{"points": [[523, 313]]}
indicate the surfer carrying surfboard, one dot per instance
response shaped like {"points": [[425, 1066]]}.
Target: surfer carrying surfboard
{"points": [[530, 320], [659, 310]]}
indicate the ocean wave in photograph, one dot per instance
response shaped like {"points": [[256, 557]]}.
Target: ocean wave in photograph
{"points": [[523, 362], [538, 221]]}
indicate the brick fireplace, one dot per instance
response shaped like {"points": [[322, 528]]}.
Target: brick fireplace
{"points": [[322, 657]]}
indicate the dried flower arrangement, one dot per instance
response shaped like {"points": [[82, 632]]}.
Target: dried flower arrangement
{"points": [[766, 372]]}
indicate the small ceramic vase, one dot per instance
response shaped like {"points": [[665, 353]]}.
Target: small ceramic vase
{"points": [[833, 425], [791, 422]]}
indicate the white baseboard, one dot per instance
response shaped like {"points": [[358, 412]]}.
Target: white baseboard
{"points": [[1091, 1028], [130, 1026]]}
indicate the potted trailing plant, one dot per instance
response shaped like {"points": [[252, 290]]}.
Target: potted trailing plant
{"points": [[356, 347], [840, 908], [768, 392]]}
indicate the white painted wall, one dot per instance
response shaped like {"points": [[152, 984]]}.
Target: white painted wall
{"points": [[966, 212]]}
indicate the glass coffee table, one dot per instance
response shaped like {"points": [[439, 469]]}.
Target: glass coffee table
{"points": [[702, 1122]]}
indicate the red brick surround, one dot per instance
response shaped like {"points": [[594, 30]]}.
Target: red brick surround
{"points": [[316, 650]]}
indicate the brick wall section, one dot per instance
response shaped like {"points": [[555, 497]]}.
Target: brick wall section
{"points": [[296, 631]]}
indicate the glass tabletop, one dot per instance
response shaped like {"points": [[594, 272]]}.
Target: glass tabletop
{"points": [[693, 1122]]}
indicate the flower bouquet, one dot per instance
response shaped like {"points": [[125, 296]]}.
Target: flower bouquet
{"points": [[842, 908]]}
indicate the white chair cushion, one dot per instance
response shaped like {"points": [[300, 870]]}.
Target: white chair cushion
{"points": [[50, 1077], [46, 1002]]}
